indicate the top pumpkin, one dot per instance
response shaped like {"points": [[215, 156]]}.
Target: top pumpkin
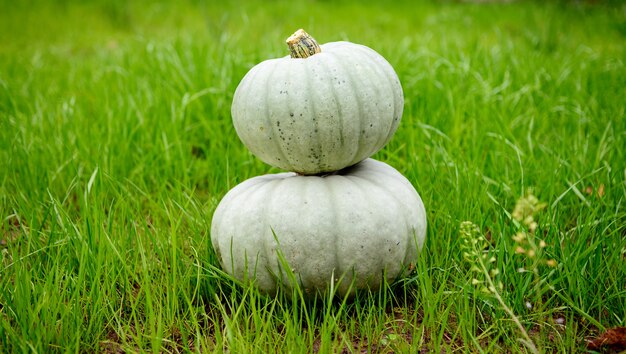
{"points": [[322, 109]]}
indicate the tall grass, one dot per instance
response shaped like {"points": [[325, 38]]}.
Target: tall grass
{"points": [[116, 144]]}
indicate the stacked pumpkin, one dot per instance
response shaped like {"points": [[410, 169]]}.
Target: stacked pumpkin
{"points": [[340, 219]]}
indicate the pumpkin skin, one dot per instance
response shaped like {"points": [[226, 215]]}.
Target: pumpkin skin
{"points": [[361, 223], [318, 114]]}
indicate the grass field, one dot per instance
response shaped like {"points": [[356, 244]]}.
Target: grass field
{"points": [[116, 144]]}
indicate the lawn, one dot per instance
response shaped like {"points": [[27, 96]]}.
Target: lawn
{"points": [[116, 145]]}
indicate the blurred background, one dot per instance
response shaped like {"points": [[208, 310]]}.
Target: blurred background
{"points": [[116, 143]]}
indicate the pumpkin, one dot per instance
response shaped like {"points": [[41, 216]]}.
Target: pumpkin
{"points": [[360, 225], [319, 110]]}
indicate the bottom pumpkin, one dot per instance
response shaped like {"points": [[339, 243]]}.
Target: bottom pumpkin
{"points": [[353, 227]]}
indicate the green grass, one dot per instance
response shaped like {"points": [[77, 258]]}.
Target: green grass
{"points": [[116, 145]]}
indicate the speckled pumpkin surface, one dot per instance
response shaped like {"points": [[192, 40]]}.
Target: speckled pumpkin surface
{"points": [[359, 223], [321, 113]]}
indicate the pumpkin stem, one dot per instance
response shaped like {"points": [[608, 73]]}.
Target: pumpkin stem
{"points": [[302, 45]]}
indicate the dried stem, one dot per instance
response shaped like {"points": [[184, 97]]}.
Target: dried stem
{"points": [[302, 45]]}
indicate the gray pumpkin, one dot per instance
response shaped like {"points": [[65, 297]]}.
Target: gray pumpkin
{"points": [[359, 225], [321, 113]]}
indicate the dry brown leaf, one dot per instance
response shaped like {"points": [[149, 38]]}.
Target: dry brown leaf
{"points": [[613, 339]]}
